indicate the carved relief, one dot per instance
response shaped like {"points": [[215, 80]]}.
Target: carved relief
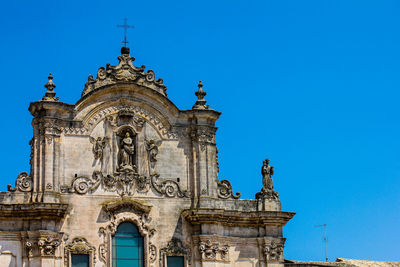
{"points": [[48, 245], [152, 150], [273, 250], [203, 135], [212, 251], [79, 245], [98, 146], [225, 190], [125, 184], [152, 253], [168, 188], [23, 183]]}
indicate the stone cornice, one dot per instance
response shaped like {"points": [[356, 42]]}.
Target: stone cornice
{"points": [[238, 218], [35, 211]]}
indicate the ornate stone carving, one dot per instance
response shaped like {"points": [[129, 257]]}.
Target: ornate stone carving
{"points": [[168, 187], [213, 251], [48, 245], [152, 253], [174, 248], [125, 183], [29, 248], [99, 144], [23, 183], [225, 190], [273, 250], [201, 102], [124, 72], [267, 192], [203, 135], [79, 245], [208, 250]]}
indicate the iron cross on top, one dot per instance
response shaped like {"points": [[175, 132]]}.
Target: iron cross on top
{"points": [[126, 27]]}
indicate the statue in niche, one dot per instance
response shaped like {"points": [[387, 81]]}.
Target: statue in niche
{"points": [[126, 154], [267, 171]]}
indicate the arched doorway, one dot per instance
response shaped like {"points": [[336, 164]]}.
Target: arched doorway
{"points": [[127, 246]]}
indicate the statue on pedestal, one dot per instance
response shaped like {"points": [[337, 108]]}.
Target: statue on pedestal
{"points": [[267, 192]]}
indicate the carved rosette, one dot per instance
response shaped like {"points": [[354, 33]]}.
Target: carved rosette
{"points": [[213, 251], [273, 250], [225, 190], [23, 183], [79, 245]]}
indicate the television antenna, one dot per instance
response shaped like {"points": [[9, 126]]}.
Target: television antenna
{"points": [[325, 240]]}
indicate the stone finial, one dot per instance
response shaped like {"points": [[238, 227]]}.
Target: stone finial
{"points": [[201, 102], [50, 95]]}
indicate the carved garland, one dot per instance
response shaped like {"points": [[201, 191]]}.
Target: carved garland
{"points": [[79, 245]]}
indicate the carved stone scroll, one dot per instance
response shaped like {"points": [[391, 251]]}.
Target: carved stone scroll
{"points": [[225, 190], [23, 183]]}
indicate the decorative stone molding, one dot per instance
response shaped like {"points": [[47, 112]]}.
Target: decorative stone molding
{"points": [[225, 190], [152, 253], [23, 183], [273, 250], [124, 72], [79, 245], [211, 250], [125, 183]]}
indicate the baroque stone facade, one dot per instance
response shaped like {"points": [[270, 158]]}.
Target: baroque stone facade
{"points": [[125, 153]]}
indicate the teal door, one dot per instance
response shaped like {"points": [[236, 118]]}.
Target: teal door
{"points": [[127, 246]]}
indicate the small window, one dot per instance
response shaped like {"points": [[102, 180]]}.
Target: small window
{"points": [[175, 261], [79, 260]]}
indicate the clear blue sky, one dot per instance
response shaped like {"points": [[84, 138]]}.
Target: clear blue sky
{"points": [[312, 85]]}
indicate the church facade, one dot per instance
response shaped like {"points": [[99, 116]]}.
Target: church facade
{"points": [[125, 178]]}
